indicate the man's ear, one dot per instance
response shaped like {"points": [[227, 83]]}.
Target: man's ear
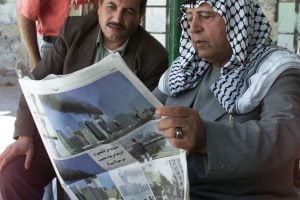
{"points": [[142, 15]]}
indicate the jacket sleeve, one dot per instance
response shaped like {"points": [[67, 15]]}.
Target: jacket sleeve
{"points": [[148, 58], [153, 70], [257, 145]]}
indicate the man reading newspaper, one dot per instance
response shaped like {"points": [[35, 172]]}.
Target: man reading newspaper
{"points": [[24, 166]]}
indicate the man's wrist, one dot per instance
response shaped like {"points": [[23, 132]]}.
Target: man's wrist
{"points": [[25, 138]]}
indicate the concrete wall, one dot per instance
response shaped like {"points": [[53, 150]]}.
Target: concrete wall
{"points": [[10, 45]]}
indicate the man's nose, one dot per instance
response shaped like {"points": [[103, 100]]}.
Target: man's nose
{"points": [[195, 25], [117, 17]]}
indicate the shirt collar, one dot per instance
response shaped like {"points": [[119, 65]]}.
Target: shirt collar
{"points": [[120, 50]]}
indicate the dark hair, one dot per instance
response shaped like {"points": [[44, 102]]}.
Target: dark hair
{"points": [[143, 5], [187, 1]]}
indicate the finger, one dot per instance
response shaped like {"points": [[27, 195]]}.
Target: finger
{"points": [[177, 143], [3, 154], [169, 133], [172, 111], [28, 159], [172, 122], [3, 163], [8, 155]]}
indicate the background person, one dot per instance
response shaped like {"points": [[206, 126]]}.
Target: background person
{"points": [[236, 99], [45, 18], [24, 166]]}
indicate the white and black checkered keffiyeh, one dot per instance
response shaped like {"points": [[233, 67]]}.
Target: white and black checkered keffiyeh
{"points": [[254, 64]]}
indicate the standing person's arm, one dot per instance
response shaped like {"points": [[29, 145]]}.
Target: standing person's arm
{"points": [[27, 28]]}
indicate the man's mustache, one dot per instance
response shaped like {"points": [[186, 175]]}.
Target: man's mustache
{"points": [[114, 24]]}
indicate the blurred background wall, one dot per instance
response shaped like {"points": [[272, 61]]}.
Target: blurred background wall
{"points": [[283, 15], [10, 44]]}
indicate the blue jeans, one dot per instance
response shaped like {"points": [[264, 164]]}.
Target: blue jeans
{"points": [[45, 48]]}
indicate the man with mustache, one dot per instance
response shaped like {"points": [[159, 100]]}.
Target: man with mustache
{"points": [[24, 166]]}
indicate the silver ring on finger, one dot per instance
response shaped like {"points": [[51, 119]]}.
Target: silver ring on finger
{"points": [[178, 133]]}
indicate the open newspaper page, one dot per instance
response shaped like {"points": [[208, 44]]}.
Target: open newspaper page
{"points": [[99, 128]]}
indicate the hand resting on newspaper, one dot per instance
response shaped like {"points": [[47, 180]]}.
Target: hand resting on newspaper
{"points": [[190, 124], [23, 146]]}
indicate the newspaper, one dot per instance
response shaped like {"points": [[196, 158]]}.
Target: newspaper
{"points": [[99, 128]]}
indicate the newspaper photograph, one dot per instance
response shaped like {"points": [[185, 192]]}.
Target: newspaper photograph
{"points": [[99, 128]]}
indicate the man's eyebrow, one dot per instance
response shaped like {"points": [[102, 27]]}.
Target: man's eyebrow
{"points": [[200, 11], [205, 11], [131, 8], [110, 3]]}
